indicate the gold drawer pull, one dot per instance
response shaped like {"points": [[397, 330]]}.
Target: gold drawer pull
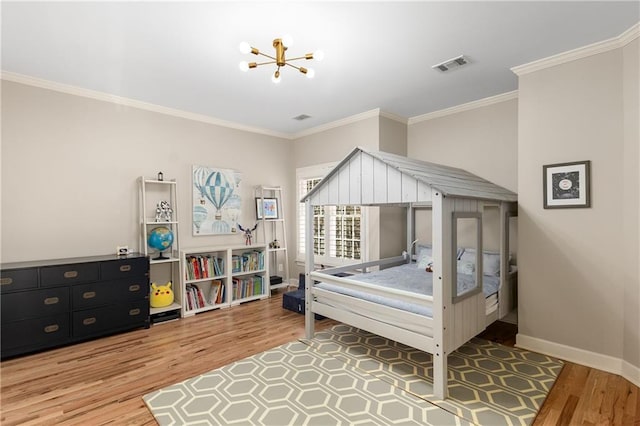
{"points": [[88, 294], [89, 321], [51, 328], [51, 300], [134, 312], [71, 274], [6, 281], [134, 287], [125, 268]]}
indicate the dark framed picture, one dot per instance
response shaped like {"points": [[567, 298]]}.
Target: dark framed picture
{"points": [[268, 209], [567, 185]]}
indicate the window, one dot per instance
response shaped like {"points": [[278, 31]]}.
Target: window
{"points": [[337, 230]]}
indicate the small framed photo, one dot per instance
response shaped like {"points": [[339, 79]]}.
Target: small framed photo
{"points": [[567, 185], [268, 210]]}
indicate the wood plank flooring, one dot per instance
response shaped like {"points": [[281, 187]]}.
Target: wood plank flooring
{"points": [[102, 381]]}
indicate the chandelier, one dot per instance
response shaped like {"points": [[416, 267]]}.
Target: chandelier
{"points": [[280, 45]]}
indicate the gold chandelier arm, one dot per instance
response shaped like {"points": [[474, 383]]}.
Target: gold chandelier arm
{"points": [[291, 65], [303, 70], [266, 63], [267, 56], [307, 56]]}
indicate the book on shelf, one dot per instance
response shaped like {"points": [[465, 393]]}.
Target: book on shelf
{"points": [[195, 297], [247, 287], [216, 293], [203, 266], [248, 261]]}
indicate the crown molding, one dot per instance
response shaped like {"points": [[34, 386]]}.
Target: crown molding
{"points": [[465, 107], [394, 117], [106, 97], [338, 123], [581, 52]]}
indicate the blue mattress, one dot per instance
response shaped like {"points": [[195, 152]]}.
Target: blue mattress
{"points": [[410, 278]]}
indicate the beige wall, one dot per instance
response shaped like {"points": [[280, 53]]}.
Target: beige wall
{"points": [[482, 141], [393, 220], [70, 166], [573, 275], [631, 212]]}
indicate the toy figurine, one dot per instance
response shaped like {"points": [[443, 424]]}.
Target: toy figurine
{"points": [[248, 233], [163, 212]]}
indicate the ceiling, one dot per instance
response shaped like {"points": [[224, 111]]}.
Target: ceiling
{"points": [[377, 54]]}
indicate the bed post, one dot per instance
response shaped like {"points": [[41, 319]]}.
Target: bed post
{"points": [[309, 317], [411, 230], [442, 257], [505, 293]]}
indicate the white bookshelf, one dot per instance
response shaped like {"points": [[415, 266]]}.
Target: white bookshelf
{"points": [[163, 266], [222, 276]]}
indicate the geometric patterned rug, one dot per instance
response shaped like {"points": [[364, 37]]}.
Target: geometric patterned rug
{"points": [[292, 384], [345, 376], [489, 384]]}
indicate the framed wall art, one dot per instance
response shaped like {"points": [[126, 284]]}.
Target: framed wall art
{"points": [[269, 209], [216, 200], [567, 185]]}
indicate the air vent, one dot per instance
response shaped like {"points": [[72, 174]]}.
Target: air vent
{"points": [[451, 64], [302, 117]]}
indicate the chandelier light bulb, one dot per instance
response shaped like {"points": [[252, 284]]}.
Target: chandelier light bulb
{"points": [[276, 77], [244, 47], [244, 66], [318, 55], [287, 41], [310, 73]]}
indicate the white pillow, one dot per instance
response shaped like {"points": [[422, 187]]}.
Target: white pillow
{"points": [[466, 267], [490, 261], [424, 257]]}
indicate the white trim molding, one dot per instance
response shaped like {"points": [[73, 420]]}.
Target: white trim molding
{"points": [[465, 107], [581, 52], [348, 120], [580, 356], [120, 100]]}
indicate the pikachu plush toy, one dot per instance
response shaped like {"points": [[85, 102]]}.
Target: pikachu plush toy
{"points": [[161, 295]]}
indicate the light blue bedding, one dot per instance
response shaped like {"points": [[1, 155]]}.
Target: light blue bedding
{"points": [[410, 278]]}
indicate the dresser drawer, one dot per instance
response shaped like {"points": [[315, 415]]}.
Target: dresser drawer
{"points": [[78, 273], [34, 304], [124, 268], [110, 318], [107, 292], [18, 279], [35, 333]]}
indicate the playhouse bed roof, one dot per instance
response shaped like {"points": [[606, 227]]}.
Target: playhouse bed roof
{"points": [[367, 177]]}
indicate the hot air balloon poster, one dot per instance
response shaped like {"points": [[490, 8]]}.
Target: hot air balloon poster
{"points": [[216, 200]]}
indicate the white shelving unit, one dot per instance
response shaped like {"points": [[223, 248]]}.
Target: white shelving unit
{"points": [[274, 235], [220, 277], [164, 266]]}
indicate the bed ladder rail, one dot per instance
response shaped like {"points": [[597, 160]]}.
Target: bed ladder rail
{"points": [[364, 265]]}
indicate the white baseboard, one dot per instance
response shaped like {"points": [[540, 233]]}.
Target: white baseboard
{"points": [[631, 373], [580, 356]]}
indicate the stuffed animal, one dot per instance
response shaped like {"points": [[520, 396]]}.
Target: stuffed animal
{"points": [[161, 295]]}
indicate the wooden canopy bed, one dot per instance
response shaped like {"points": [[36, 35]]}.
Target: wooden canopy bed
{"points": [[396, 297]]}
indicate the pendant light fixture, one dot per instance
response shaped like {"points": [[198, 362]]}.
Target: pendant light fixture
{"points": [[280, 45]]}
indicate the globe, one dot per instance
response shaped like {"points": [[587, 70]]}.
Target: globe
{"points": [[160, 239]]}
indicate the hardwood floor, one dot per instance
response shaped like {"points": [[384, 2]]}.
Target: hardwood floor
{"points": [[102, 381]]}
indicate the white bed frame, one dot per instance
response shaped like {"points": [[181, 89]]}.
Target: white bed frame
{"points": [[373, 178]]}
